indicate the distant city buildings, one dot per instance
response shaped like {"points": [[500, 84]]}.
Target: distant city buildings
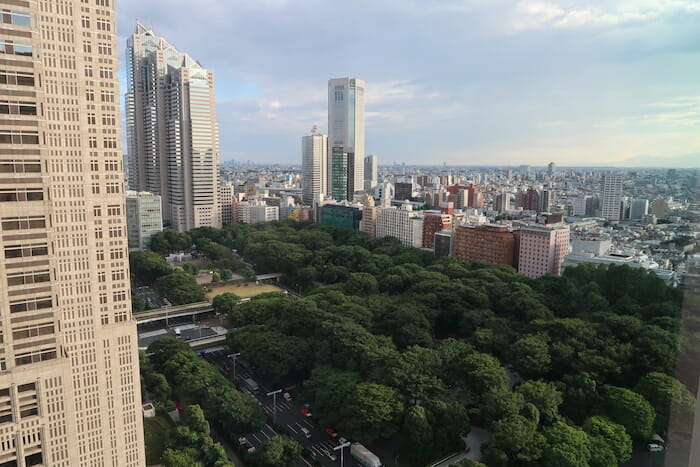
{"points": [[402, 223], [254, 211], [172, 131], [433, 222], [611, 196], [346, 137], [227, 203], [496, 245], [144, 218], [543, 248], [370, 172], [314, 160]]}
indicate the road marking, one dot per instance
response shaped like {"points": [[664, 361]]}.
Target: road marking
{"points": [[258, 439], [308, 424], [291, 428]]}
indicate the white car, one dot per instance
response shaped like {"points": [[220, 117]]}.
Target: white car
{"points": [[653, 447]]}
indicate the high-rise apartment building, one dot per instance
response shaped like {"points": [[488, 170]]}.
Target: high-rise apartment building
{"points": [[531, 200], [252, 212], [610, 197], [370, 172], [226, 203], [502, 203], [403, 224], [542, 249], [346, 137], [172, 132], [143, 218], [403, 191], [314, 163], [69, 377], [490, 244], [545, 202]]}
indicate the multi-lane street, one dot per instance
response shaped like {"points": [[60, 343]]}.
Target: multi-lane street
{"points": [[286, 415]]}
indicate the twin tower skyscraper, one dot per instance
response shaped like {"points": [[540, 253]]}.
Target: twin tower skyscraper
{"points": [[334, 165]]}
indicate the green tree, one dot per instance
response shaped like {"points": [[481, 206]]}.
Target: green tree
{"points": [[226, 274], [180, 288], [545, 396], [169, 241], [630, 410], [194, 418], [670, 399], [216, 277], [468, 463], [191, 269], [328, 389], [360, 283], [514, 439], [179, 457], [418, 435], [158, 387], [371, 411], [278, 451], [138, 305], [147, 266], [607, 436], [530, 356], [566, 446], [226, 304]]}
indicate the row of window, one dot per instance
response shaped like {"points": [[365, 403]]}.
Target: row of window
{"points": [[30, 304], [15, 47], [17, 108], [26, 278], [21, 194], [23, 223], [25, 251], [35, 356], [18, 78], [19, 18], [20, 167], [33, 330], [19, 137]]}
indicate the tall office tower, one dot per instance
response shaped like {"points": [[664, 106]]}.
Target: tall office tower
{"points": [[611, 194], [226, 203], [579, 205], [551, 168], [531, 200], [370, 172], [172, 132], [69, 376], [346, 137], [314, 166], [403, 191], [144, 218], [543, 248]]}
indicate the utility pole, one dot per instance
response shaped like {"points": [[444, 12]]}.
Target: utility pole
{"points": [[274, 404], [341, 449], [233, 357]]}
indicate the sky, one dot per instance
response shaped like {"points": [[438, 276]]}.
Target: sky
{"points": [[465, 82]]}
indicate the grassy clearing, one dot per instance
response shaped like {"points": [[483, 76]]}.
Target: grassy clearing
{"points": [[243, 291], [156, 433]]}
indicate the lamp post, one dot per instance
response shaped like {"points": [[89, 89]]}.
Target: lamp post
{"points": [[341, 448], [233, 357], [274, 404]]}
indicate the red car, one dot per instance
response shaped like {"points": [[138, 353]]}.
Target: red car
{"points": [[306, 412], [331, 432]]}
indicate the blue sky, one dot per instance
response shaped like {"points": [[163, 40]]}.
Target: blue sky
{"points": [[469, 82]]}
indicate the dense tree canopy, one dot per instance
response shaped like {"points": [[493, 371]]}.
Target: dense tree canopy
{"points": [[391, 339]]}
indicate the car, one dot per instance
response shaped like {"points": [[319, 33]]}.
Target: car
{"points": [[306, 432], [331, 432], [342, 440], [653, 447], [305, 412], [287, 397]]}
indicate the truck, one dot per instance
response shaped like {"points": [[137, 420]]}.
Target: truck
{"points": [[364, 456], [250, 384]]}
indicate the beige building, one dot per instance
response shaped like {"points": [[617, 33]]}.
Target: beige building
{"points": [[172, 132], [69, 378], [144, 218]]}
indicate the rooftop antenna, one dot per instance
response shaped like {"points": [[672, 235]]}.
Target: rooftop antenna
{"points": [[314, 129]]}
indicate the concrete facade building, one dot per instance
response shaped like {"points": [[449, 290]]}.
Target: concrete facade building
{"points": [[638, 209], [254, 211], [542, 249], [490, 244], [144, 218], [403, 191], [659, 207], [314, 163], [370, 172], [398, 223], [226, 204], [369, 220], [610, 196], [172, 131], [69, 365], [346, 137], [341, 215], [531, 200], [502, 202]]}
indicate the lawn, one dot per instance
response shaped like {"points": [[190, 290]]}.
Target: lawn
{"points": [[243, 291], [156, 433]]}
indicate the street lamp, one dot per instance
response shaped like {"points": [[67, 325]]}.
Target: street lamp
{"points": [[233, 357], [274, 404], [340, 448]]}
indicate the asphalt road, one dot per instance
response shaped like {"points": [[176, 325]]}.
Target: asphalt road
{"points": [[288, 416]]}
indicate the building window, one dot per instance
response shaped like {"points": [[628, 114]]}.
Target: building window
{"points": [[30, 304], [18, 18], [19, 137], [20, 167], [21, 194], [36, 356]]}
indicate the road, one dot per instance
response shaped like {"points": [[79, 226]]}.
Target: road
{"points": [[287, 415]]}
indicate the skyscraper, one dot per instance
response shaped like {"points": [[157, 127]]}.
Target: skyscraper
{"points": [[611, 194], [314, 162], [346, 137], [370, 172], [69, 377], [172, 132]]}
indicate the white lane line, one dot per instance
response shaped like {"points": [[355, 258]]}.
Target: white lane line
{"points": [[308, 424], [258, 439], [291, 428]]}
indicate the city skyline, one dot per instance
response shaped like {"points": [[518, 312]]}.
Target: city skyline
{"points": [[582, 85]]}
